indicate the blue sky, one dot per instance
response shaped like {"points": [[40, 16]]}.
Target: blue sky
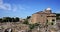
{"points": [[23, 8]]}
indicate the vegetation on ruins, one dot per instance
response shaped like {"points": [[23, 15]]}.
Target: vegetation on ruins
{"points": [[26, 20], [31, 26]]}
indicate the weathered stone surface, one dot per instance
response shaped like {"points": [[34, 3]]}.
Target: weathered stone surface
{"points": [[16, 27]]}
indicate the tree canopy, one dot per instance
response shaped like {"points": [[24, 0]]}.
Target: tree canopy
{"points": [[9, 19], [58, 16]]}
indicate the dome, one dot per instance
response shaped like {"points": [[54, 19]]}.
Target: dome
{"points": [[48, 9]]}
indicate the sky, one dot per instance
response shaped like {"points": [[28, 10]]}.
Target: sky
{"points": [[24, 8]]}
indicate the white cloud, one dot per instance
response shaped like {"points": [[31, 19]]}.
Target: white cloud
{"points": [[4, 6], [8, 7]]}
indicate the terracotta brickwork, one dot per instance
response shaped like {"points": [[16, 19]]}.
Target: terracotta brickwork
{"points": [[43, 16]]}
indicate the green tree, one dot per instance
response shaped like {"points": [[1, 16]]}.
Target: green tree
{"points": [[28, 17], [17, 19], [26, 20], [13, 19], [7, 19], [0, 19], [57, 16]]}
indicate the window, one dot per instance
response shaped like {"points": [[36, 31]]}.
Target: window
{"points": [[53, 20]]}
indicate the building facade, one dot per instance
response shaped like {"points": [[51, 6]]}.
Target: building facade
{"points": [[43, 17]]}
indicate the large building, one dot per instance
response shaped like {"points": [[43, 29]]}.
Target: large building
{"points": [[43, 17]]}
